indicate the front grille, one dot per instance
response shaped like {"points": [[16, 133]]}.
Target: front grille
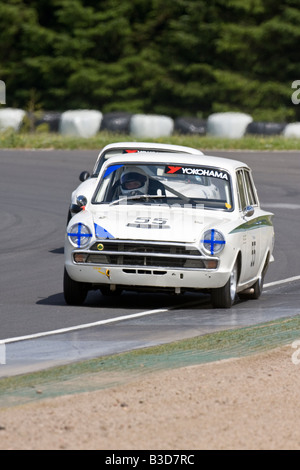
{"points": [[154, 255], [142, 247], [147, 261]]}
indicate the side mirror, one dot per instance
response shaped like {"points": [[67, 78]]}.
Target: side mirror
{"points": [[81, 201], [84, 176], [248, 211]]}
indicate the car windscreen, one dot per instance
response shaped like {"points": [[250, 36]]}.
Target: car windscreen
{"points": [[146, 183], [116, 151]]}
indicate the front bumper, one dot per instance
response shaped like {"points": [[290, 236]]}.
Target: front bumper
{"points": [[166, 265], [155, 277]]}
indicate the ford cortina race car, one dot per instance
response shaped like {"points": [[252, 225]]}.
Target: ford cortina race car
{"points": [[88, 185], [171, 222]]}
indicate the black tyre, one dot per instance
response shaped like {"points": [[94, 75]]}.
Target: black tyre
{"points": [[265, 128], [74, 292], [190, 125], [224, 297], [118, 122]]}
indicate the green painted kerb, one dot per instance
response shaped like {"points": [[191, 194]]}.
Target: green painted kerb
{"points": [[112, 371]]}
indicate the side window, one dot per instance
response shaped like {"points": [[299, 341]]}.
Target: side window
{"points": [[250, 189], [241, 189]]}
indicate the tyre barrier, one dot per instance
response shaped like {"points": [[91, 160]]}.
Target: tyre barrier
{"points": [[87, 123], [231, 124], [148, 125], [116, 122], [80, 123], [265, 128], [11, 118], [51, 119], [190, 125], [292, 130]]}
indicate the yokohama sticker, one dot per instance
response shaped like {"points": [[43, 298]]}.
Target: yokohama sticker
{"points": [[184, 170]]}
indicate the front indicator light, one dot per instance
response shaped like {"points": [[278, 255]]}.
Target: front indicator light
{"points": [[80, 257], [211, 264], [79, 235], [212, 242]]}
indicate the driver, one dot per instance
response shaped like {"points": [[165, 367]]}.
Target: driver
{"points": [[134, 182]]}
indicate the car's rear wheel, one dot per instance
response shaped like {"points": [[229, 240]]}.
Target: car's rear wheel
{"points": [[74, 292], [224, 297]]}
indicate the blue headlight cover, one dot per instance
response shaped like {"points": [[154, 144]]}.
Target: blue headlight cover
{"points": [[79, 235], [213, 242]]}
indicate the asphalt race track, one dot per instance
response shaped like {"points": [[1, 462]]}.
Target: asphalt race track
{"points": [[35, 192]]}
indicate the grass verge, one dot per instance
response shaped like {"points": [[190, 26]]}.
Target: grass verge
{"points": [[109, 371], [14, 140]]}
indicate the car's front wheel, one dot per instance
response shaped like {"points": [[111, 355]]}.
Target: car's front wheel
{"points": [[224, 297], [74, 292]]}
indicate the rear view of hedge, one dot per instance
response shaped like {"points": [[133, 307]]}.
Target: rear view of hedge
{"points": [[165, 57]]}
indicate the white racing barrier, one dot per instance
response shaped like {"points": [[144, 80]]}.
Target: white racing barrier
{"points": [[11, 118], [292, 130], [80, 123], [148, 125], [232, 125]]}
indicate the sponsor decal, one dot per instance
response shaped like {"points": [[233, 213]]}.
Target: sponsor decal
{"points": [[105, 273], [184, 170], [101, 232], [111, 169], [258, 222]]}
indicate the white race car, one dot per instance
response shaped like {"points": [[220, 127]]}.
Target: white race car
{"points": [[88, 185], [170, 222]]}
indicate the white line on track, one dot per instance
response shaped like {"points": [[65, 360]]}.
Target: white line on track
{"points": [[283, 281], [116, 319], [81, 327]]}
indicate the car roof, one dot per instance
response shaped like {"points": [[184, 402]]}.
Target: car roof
{"points": [[178, 158], [152, 146]]}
